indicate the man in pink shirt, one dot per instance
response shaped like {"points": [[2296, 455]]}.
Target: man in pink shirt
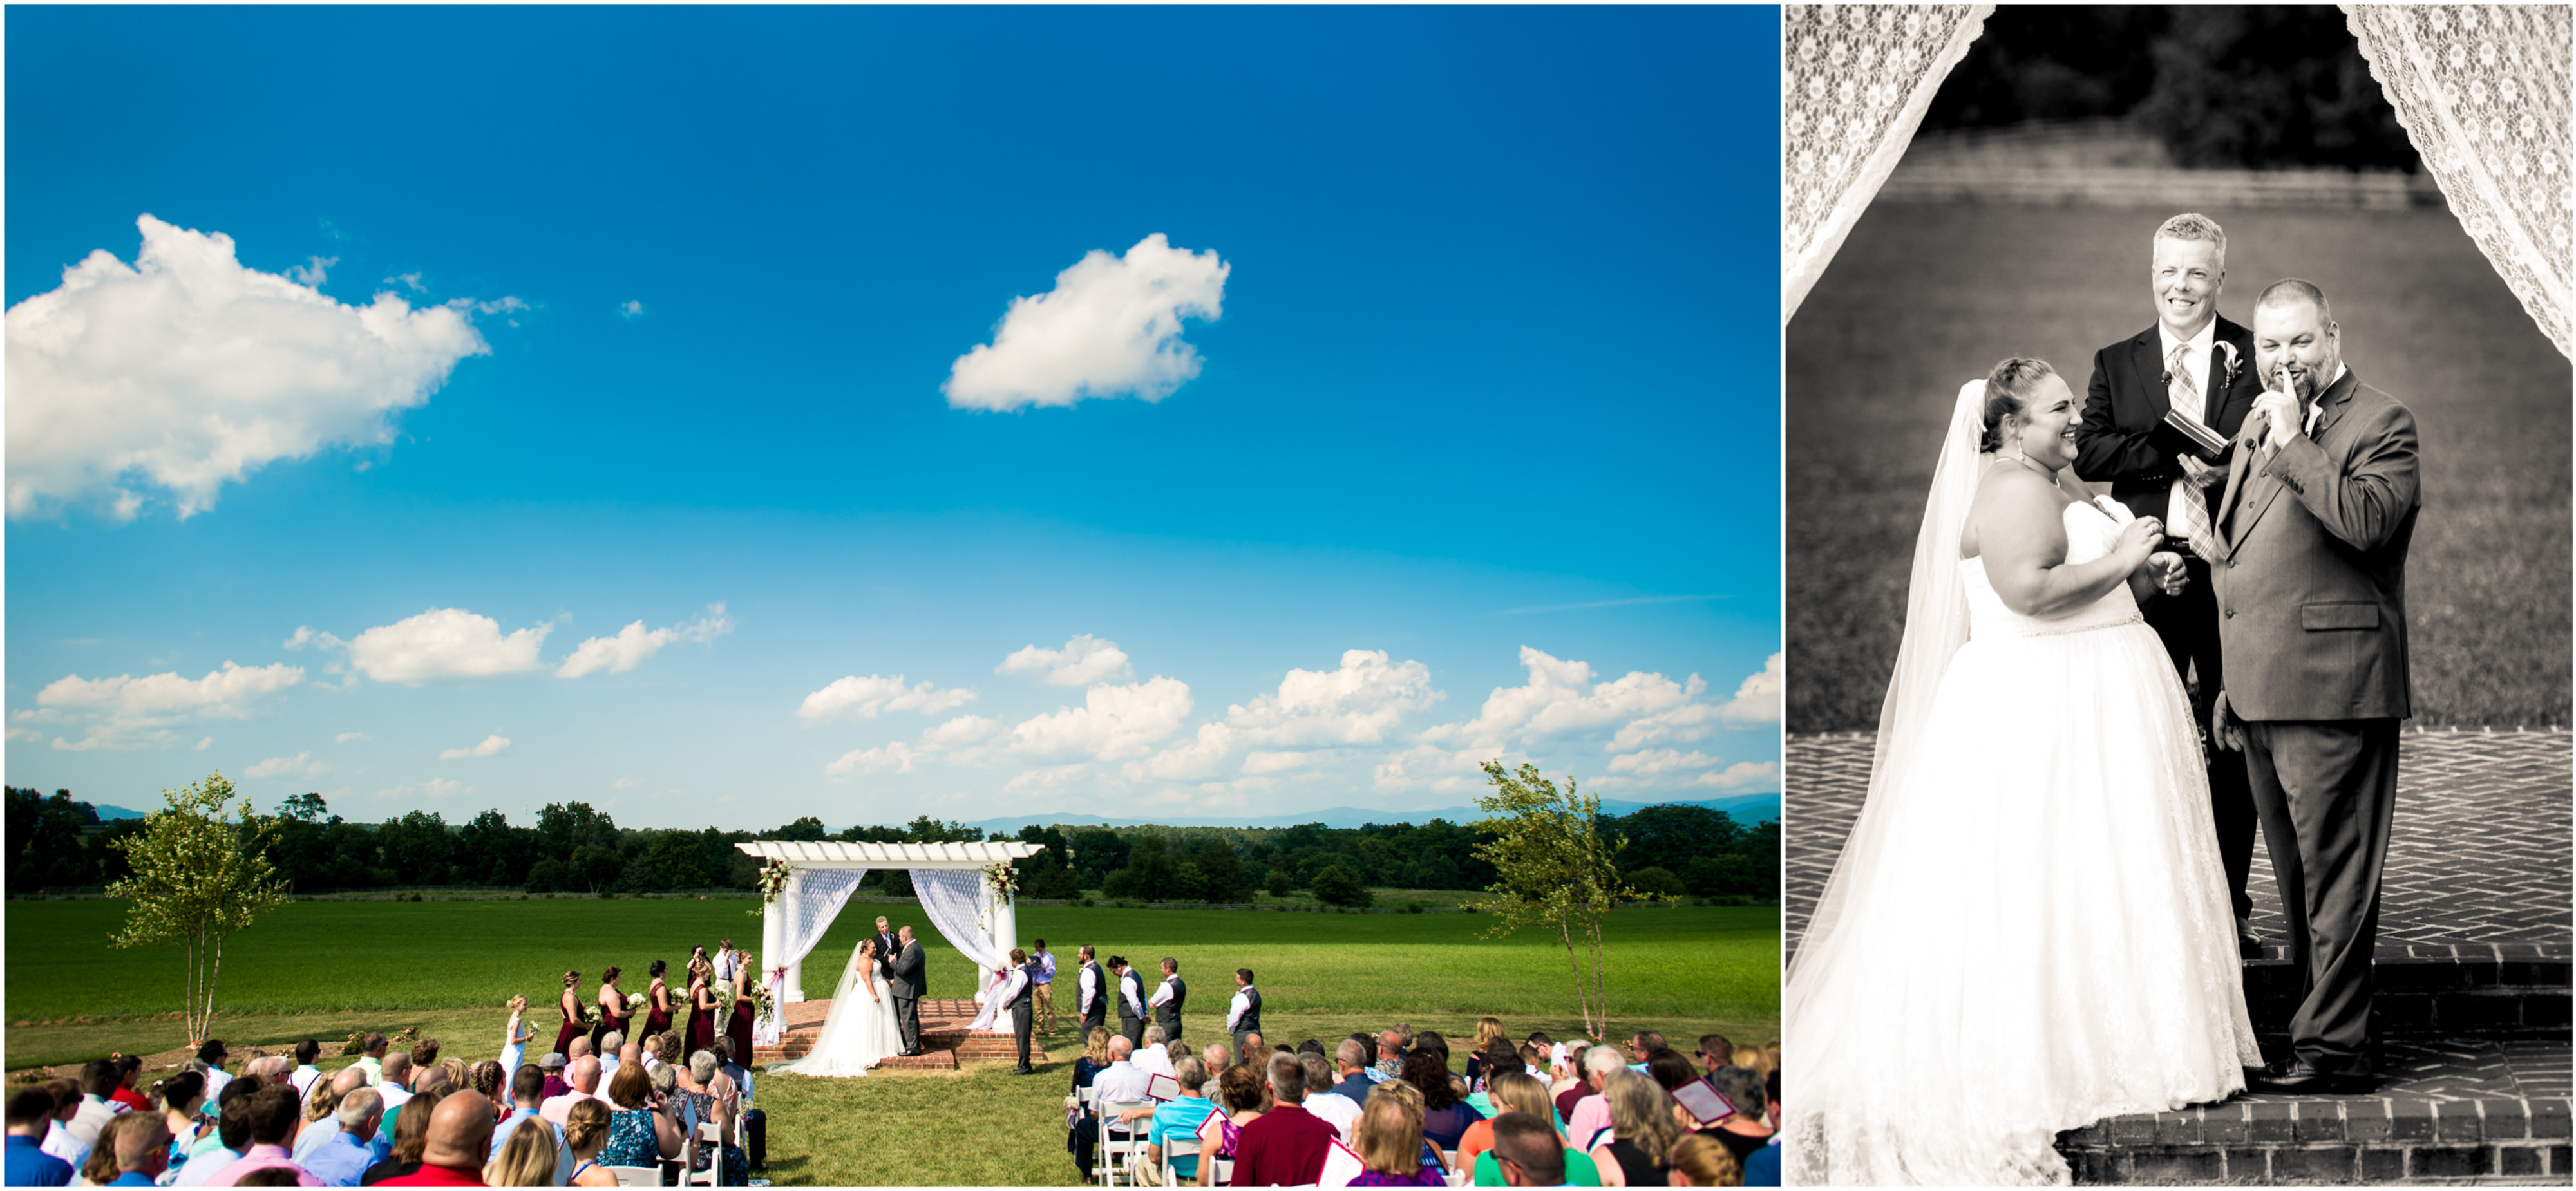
{"points": [[585, 1086], [1592, 1113], [273, 1110]]}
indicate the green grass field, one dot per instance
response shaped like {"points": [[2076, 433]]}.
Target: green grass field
{"points": [[321, 969], [1924, 298]]}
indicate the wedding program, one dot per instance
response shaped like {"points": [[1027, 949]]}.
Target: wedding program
{"points": [[864, 596]]}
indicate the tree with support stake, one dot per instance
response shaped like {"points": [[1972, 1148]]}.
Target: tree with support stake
{"points": [[1553, 869], [197, 880]]}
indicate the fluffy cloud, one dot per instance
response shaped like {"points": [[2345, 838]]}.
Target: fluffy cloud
{"points": [[1084, 660], [1660, 761], [1560, 697], [1111, 327], [1757, 701], [301, 764], [964, 730], [1115, 721], [444, 645], [491, 745], [437, 787], [1261, 762], [1203, 756], [346, 737], [897, 756], [630, 310], [633, 644], [1743, 775], [1756, 705], [186, 370], [1360, 703], [126, 712], [867, 698], [1439, 770]]}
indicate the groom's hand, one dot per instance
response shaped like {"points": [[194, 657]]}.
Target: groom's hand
{"points": [[2199, 474], [2279, 414], [2226, 732]]}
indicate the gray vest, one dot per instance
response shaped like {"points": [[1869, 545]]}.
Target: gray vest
{"points": [[1102, 992], [1251, 1021], [1168, 1014], [1119, 995]]}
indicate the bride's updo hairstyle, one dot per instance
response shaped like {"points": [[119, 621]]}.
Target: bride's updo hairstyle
{"points": [[2008, 390]]}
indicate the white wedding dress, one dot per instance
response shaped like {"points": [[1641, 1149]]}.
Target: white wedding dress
{"points": [[859, 1032], [2028, 930]]}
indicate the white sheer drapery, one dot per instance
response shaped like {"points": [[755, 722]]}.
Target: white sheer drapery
{"points": [[817, 895], [953, 900], [2483, 93], [1854, 83]]}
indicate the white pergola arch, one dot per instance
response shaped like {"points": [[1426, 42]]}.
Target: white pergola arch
{"points": [[822, 875]]}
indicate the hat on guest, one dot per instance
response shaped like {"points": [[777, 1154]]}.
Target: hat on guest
{"points": [[554, 1058]]}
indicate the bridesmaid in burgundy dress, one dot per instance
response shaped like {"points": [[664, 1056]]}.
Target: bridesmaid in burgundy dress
{"points": [[738, 1027], [613, 1014], [657, 1019], [570, 1004], [702, 1006]]}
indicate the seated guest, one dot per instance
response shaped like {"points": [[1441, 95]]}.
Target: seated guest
{"points": [[1644, 1043], [30, 1111], [1525, 1095], [232, 1135], [1153, 1058], [552, 1067], [127, 1067], [319, 1121], [1591, 1114], [1390, 1053], [1389, 1139], [1527, 1152], [1122, 1082], [1216, 1056], [1715, 1052], [1287, 1146], [101, 1169], [394, 1081], [1637, 1148], [424, 1080], [612, 1046], [527, 1092], [371, 1058], [638, 1135], [1335, 1109], [730, 1064], [1669, 1069], [349, 1147], [460, 1133], [1770, 1057], [1742, 1131], [1445, 1115], [307, 1053], [1567, 1080], [1502, 1056], [1180, 1116], [210, 1060], [1750, 1058], [585, 1086], [142, 1150], [181, 1101], [1079, 1131], [723, 1104], [1489, 1030], [59, 1138], [1700, 1162], [98, 1080], [1762, 1169], [273, 1113], [1351, 1059], [1238, 1100], [411, 1141], [525, 1156], [586, 1131]]}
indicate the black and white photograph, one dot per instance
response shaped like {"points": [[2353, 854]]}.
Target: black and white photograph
{"points": [[2177, 458]]}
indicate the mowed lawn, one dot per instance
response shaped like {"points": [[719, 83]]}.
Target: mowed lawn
{"points": [[1924, 298]]}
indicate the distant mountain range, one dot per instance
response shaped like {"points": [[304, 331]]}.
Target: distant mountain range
{"points": [[1749, 808], [109, 814]]}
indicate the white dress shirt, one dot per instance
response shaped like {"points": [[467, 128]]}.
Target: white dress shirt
{"points": [[1153, 1060], [1336, 1109], [1235, 1010], [1162, 992], [1089, 990], [1122, 1082], [1019, 979], [1127, 993]]}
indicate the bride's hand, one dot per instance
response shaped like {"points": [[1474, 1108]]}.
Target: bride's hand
{"points": [[2139, 538], [2166, 567]]}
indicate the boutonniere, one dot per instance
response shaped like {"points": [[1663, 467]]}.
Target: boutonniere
{"points": [[2227, 358]]}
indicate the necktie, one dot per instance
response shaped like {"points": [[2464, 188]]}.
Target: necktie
{"points": [[2186, 514]]}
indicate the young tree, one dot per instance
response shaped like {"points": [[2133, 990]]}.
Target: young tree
{"points": [[1553, 869], [197, 880]]}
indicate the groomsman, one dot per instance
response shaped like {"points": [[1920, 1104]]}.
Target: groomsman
{"points": [[1091, 993], [2192, 369], [1167, 1000], [1243, 1013], [1017, 995], [1131, 1001]]}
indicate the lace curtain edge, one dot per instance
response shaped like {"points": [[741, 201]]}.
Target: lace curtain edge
{"points": [[955, 913], [1800, 274], [2394, 49]]}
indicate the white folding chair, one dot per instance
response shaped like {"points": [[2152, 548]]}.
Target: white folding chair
{"points": [[1120, 1153], [1225, 1172], [637, 1176], [708, 1136], [1175, 1148]]}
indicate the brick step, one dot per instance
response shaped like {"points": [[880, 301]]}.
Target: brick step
{"points": [[2497, 990]]}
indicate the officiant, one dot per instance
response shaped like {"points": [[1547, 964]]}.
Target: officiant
{"points": [[2159, 415]]}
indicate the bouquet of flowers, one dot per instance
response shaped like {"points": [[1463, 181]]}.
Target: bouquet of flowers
{"points": [[635, 1001], [763, 994], [1002, 880]]}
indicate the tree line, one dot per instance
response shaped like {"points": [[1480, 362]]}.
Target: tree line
{"points": [[1674, 850]]}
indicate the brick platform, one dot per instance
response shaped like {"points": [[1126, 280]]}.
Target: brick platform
{"points": [[945, 1041], [2472, 1004]]}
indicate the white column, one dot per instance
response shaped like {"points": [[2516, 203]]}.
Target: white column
{"points": [[791, 906], [1006, 921], [773, 930]]}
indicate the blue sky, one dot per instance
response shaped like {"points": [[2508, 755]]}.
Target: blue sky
{"points": [[506, 406]]}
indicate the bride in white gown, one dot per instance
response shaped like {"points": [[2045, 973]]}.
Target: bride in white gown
{"points": [[2028, 930], [860, 1030]]}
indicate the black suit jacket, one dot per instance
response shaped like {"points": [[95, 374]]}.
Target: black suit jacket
{"points": [[2124, 438], [907, 979]]}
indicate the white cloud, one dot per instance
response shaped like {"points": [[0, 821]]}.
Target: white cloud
{"points": [[25, 734], [1560, 697], [964, 730], [445, 644], [132, 712], [346, 737], [1111, 327], [202, 744], [1360, 703], [1261, 762], [313, 272], [1202, 757], [186, 370], [1113, 722], [1443, 771], [308, 635], [1660, 761], [301, 764], [492, 744], [1047, 777], [633, 644], [1084, 660], [1757, 701], [897, 756], [630, 310], [1743, 775], [867, 698], [437, 787]]}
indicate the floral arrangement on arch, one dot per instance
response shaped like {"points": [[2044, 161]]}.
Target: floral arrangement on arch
{"points": [[773, 884], [1002, 879]]}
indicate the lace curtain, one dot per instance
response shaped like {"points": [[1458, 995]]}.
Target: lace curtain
{"points": [[2483, 93], [1855, 81], [953, 899], [818, 895]]}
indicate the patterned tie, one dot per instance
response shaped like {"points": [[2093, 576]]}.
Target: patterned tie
{"points": [[2186, 514]]}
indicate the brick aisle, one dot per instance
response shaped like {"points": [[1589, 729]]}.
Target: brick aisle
{"points": [[2479, 855]]}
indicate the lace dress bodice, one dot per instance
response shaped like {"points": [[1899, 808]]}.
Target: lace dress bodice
{"points": [[2090, 533]]}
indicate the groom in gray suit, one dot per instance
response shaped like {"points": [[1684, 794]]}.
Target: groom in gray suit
{"points": [[2311, 582], [906, 982]]}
